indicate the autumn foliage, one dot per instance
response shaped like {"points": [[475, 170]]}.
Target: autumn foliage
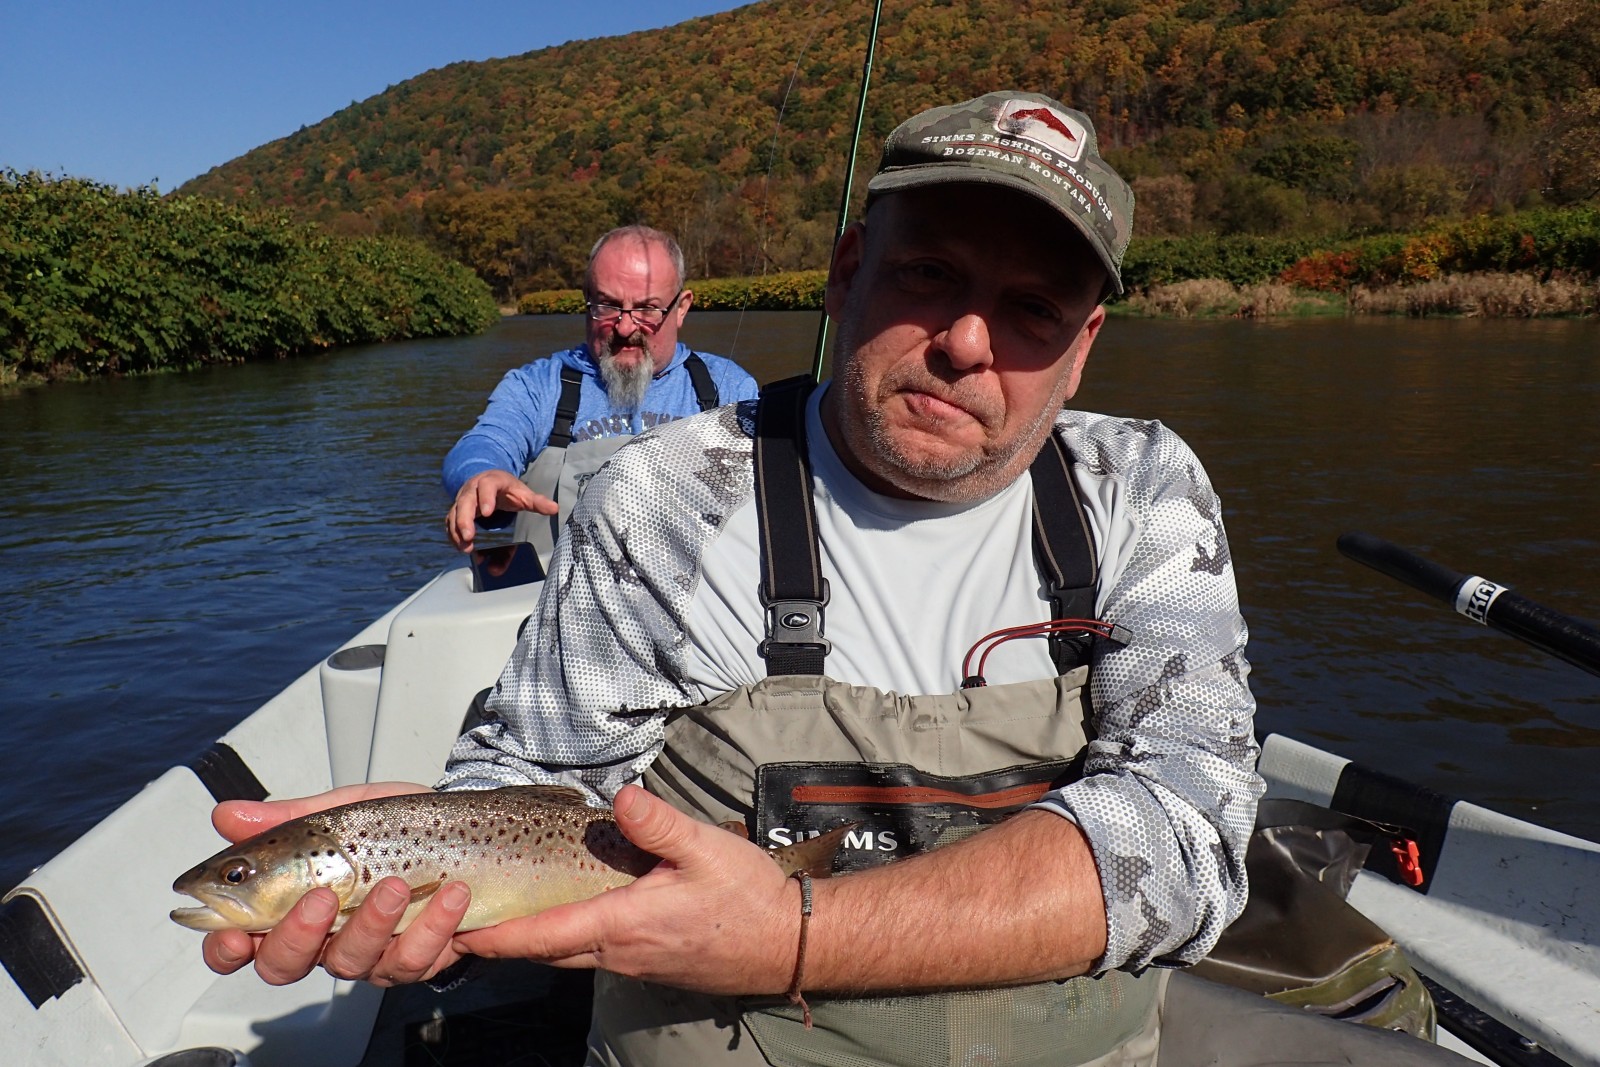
{"points": [[1269, 120]]}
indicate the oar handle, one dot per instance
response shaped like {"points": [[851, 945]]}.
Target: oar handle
{"points": [[1482, 601]]}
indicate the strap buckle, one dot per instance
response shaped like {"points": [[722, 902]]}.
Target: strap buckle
{"points": [[796, 622]]}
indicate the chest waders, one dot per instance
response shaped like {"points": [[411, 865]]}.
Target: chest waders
{"points": [[563, 467], [799, 753]]}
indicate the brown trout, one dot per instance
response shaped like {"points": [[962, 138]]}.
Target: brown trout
{"points": [[521, 849]]}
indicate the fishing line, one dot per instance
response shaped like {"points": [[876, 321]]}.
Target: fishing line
{"points": [[849, 176], [766, 179]]}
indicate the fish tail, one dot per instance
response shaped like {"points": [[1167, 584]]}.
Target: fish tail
{"points": [[814, 855]]}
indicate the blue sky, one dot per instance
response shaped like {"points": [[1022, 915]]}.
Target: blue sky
{"points": [[131, 93]]}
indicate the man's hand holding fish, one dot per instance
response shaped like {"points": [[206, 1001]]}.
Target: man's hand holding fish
{"points": [[716, 915], [393, 883], [364, 947]]}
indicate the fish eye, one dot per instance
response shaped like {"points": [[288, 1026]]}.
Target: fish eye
{"points": [[234, 872]]}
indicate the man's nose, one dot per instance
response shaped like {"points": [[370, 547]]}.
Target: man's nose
{"points": [[966, 342], [627, 325]]}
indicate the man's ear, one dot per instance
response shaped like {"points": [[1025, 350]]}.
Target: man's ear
{"points": [[1078, 354], [684, 303], [843, 267]]}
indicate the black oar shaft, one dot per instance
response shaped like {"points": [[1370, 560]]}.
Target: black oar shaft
{"points": [[1482, 601]]}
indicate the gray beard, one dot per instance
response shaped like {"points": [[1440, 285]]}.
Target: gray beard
{"points": [[625, 385]]}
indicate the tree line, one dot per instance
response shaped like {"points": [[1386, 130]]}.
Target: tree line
{"points": [[1287, 119]]}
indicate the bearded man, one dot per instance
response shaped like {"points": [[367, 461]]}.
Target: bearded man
{"points": [[552, 423]]}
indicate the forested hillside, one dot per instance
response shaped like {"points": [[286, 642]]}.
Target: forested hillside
{"points": [[1293, 118]]}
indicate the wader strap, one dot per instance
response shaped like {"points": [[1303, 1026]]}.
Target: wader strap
{"points": [[566, 408], [705, 394], [792, 587], [705, 390], [1063, 547]]}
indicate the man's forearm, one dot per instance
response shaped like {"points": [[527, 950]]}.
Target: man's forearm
{"points": [[1020, 902]]}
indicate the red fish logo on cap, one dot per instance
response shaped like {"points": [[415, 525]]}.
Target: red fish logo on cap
{"points": [[1043, 125]]}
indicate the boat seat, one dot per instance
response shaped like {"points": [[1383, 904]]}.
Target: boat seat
{"points": [[441, 648]]}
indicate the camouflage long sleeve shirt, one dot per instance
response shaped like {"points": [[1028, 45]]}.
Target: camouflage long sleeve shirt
{"points": [[652, 604]]}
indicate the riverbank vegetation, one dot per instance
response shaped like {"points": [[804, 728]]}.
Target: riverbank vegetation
{"points": [[1537, 263], [94, 281], [1482, 295]]}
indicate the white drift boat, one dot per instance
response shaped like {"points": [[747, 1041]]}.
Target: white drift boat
{"points": [[1506, 927]]}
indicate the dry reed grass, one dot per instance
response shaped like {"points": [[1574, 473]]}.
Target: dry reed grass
{"points": [[1213, 297], [1517, 296], [1468, 295]]}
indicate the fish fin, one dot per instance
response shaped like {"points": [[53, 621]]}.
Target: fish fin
{"points": [[426, 890], [554, 795], [418, 892], [734, 826], [814, 855]]}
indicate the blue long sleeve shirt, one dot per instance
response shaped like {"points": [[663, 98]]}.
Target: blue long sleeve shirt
{"points": [[516, 424]]}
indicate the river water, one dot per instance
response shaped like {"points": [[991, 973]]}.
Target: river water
{"points": [[176, 549]]}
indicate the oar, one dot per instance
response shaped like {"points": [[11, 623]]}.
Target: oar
{"points": [[1482, 601], [849, 177]]}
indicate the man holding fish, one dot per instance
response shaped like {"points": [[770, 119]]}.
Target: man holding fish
{"points": [[919, 602]]}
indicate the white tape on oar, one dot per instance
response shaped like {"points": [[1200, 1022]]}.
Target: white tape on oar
{"points": [[1475, 596]]}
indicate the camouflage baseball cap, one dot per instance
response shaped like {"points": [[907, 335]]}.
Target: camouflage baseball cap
{"points": [[1022, 141]]}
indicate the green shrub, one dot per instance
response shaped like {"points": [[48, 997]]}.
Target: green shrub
{"points": [[94, 281], [788, 291], [551, 302], [1547, 244], [1238, 260]]}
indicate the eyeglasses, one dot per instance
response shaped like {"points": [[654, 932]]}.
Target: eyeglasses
{"points": [[647, 317]]}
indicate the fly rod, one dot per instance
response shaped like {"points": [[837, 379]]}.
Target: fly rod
{"points": [[1482, 601], [849, 176]]}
